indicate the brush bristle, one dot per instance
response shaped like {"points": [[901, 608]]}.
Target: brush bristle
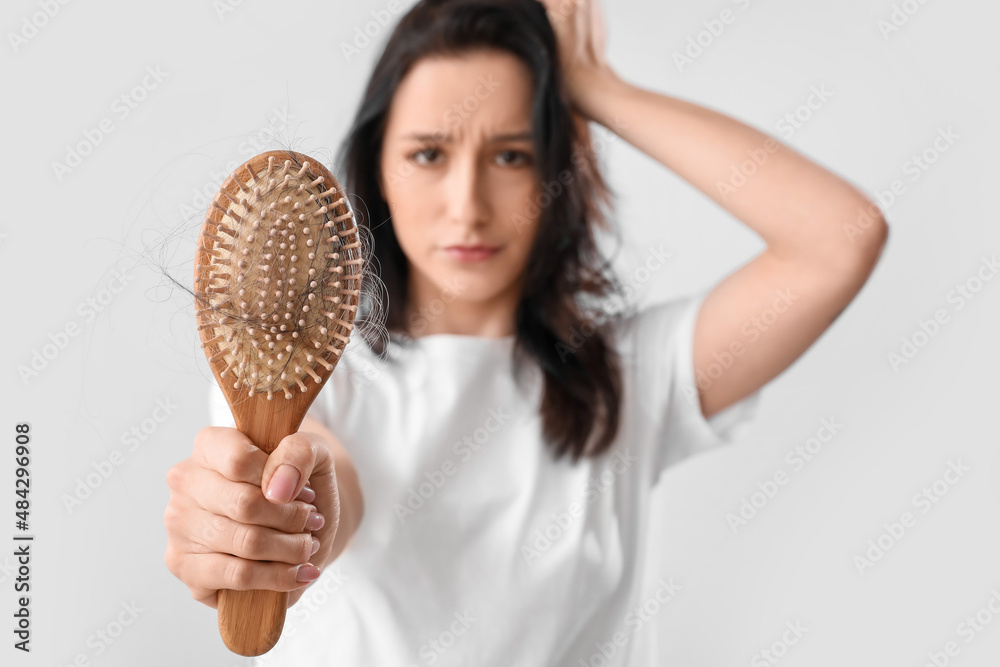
{"points": [[279, 282]]}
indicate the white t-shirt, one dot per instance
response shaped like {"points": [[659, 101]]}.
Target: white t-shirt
{"points": [[476, 547]]}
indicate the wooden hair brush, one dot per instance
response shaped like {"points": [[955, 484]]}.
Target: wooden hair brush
{"points": [[277, 283]]}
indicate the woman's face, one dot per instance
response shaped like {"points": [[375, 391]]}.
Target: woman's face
{"points": [[458, 169]]}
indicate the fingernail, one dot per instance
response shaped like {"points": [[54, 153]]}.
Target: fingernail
{"points": [[307, 495], [315, 521], [315, 546], [307, 572], [283, 482]]}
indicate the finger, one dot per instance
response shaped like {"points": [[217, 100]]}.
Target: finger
{"points": [[205, 596], [297, 457], [244, 502], [230, 453], [176, 561], [215, 570], [183, 536], [307, 495], [222, 534]]}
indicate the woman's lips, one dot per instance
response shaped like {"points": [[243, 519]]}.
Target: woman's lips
{"points": [[471, 253]]}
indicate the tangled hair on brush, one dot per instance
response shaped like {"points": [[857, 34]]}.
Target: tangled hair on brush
{"points": [[582, 381]]}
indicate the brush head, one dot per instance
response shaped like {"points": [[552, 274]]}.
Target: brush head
{"points": [[277, 277]]}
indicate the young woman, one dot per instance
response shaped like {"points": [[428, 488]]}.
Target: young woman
{"points": [[507, 434]]}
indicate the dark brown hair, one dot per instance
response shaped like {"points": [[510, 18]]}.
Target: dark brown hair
{"points": [[554, 326]]}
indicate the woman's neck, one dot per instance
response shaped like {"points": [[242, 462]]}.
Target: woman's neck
{"points": [[434, 311]]}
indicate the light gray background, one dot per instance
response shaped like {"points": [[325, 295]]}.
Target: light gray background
{"points": [[232, 75]]}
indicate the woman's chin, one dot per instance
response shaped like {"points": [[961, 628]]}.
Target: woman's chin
{"points": [[472, 285]]}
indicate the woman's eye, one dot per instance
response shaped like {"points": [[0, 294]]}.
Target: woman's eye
{"points": [[513, 158], [424, 156]]}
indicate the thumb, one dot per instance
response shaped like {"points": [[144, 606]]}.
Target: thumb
{"points": [[296, 459]]}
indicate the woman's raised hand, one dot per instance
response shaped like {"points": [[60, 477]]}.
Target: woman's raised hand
{"points": [[579, 28]]}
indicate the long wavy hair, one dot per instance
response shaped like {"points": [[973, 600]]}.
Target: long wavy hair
{"points": [[568, 338]]}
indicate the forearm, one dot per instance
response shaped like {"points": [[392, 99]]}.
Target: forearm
{"points": [[798, 208]]}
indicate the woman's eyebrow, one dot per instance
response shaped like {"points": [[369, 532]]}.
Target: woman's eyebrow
{"points": [[524, 135], [442, 137]]}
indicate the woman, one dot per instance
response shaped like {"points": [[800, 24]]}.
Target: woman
{"points": [[509, 434]]}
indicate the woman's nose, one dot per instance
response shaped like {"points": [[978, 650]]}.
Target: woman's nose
{"points": [[466, 193]]}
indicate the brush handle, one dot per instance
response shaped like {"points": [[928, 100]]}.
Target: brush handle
{"points": [[250, 622]]}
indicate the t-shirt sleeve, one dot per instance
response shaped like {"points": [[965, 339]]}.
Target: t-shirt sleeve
{"points": [[664, 345]]}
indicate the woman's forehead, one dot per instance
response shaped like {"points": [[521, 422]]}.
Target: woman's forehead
{"points": [[484, 93]]}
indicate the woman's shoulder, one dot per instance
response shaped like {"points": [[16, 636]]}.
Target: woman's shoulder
{"points": [[655, 323]]}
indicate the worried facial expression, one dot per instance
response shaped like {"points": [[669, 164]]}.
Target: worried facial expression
{"points": [[458, 172]]}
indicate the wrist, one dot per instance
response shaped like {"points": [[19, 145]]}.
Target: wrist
{"points": [[595, 94], [350, 502]]}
